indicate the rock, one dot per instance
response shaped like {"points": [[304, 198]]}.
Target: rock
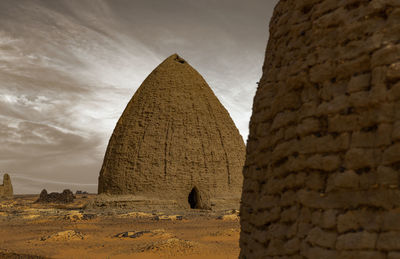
{"points": [[152, 233], [65, 197], [168, 217], [227, 232], [137, 215], [174, 141], [232, 217], [78, 215], [67, 235], [81, 192], [132, 234], [172, 245], [6, 189]]}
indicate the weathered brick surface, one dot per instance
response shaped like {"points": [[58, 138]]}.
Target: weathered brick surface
{"points": [[321, 178], [6, 189], [174, 135]]}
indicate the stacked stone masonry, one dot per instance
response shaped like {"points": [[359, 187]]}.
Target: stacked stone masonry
{"points": [[6, 189], [321, 178], [175, 141]]}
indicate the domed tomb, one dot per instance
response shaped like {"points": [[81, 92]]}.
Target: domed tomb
{"points": [[174, 141], [321, 178]]}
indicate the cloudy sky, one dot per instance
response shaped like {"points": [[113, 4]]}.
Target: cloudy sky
{"points": [[69, 67]]}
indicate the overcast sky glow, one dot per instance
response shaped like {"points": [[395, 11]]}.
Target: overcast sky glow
{"points": [[69, 67]]}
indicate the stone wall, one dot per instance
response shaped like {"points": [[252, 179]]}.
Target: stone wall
{"points": [[6, 189], [321, 178], [174, 137]]}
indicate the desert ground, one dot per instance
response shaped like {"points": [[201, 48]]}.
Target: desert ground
{"points": [[34, 230]]}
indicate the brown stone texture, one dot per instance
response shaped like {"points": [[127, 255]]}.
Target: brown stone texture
{"points": [[321, 177], [54, 197], [6, 189], [174, 139]]}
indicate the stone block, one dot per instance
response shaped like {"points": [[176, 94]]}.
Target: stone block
{"points": [[348, 179], [315, 181], [349, 68], [292, 246], [288, 198], [360, 99], [394, 92], [386, 55], [391, 154], [335, 106], [391, 220], [344, 123], [393, 73], [357, 158], [262, 218], [362, 255], [324, 163], [308, 126], [389, 241], [328, 219], [359, 83], [322, 238], [387, 176], [311, 252], [277, 231], [322, 72], [356, 241]]}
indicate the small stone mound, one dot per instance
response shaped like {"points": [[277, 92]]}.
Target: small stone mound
{"points": [[151, 233], [9, 255], [65, 197], [226, 233], [232, 216], [132, 234], [172, 245], [137, 215], [168, 217], [67, 235], [78, 215]]}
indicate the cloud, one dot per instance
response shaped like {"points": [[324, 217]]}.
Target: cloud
{"points": [[68, 69]]}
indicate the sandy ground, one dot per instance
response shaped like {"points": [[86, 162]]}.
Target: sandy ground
{"points": [[69, 231]]}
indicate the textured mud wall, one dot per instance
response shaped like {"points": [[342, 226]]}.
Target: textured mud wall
{"points": [[6, 189], [321, 178], [174, 135]]}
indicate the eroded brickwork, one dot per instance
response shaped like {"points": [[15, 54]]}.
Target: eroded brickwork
{"points": [[321, 178], [174, 137], [6, 189]]}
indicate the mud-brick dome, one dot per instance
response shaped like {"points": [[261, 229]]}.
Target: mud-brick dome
{"points": [[175, 141], [321, 177]]}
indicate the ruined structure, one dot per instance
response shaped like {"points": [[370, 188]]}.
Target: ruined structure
{"points": [[54, 197], [175, 141], [6, 189], [321, 177]]}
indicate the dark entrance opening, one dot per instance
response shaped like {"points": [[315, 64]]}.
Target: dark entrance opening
{"points": [[194, 198]]}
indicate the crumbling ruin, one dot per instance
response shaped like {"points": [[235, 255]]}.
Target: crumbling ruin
{"points": [[54, 197], [6, 189], [175, 141], [321, 177]]}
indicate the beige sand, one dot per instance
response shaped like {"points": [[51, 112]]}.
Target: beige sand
{"points": [[70, 231]]}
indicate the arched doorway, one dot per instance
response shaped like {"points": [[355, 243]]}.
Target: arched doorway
{"points": [[194, 198]]}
